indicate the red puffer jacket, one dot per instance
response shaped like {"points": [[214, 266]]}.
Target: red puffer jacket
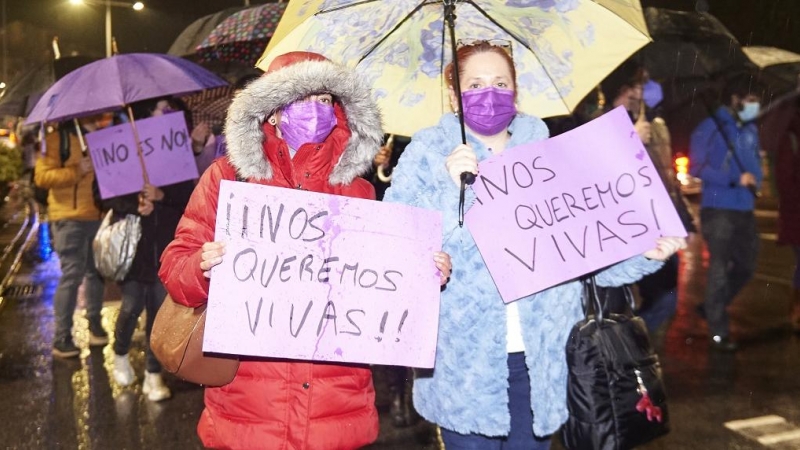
{"points": [[280, 404]]}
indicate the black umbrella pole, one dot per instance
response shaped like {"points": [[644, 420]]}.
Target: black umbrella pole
{"points": [[466, 177]]}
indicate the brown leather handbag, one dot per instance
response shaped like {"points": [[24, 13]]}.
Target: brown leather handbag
{"points": [[177, 342]]}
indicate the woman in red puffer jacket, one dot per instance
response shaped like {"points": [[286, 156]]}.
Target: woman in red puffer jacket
{"points": [[280, 404]]}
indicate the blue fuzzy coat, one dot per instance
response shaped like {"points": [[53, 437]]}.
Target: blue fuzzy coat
{"points": [[467, 391]]}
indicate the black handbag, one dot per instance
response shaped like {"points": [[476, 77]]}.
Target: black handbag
{"points": [[615, 393]]}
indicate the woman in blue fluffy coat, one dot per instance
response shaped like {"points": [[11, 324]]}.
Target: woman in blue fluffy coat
{"points": [[500, 376]]}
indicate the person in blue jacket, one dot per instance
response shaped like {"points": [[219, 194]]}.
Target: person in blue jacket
{"points": [[724, 154], [500, 375]]}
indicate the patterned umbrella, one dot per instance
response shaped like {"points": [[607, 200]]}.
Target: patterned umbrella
{"points": [[562, 48], [210, 106], [242, 36], [186, 43]]}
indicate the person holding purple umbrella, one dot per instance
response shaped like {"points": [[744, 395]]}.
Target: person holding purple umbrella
{"points": [[160, 209]]}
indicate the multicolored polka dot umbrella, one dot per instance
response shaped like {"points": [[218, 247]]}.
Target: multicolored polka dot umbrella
{"points": [[243, 36]]}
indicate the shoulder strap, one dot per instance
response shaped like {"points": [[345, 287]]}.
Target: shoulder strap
{"points": [[63, 144]]}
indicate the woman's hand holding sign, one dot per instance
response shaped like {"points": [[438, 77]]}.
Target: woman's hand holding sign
{"points": [[210, 256], [444, 265], [665, 247]]}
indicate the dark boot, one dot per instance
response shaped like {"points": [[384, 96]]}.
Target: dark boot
{"points": [[401, 409], [396, 408], [411, 416]]}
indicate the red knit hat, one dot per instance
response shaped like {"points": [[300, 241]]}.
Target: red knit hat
{"points": [[287, 59]]}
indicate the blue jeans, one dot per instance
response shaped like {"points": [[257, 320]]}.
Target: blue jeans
{"points": [[659, 293], [732, 243], [72, 240], [137, 296], [519, 405]]}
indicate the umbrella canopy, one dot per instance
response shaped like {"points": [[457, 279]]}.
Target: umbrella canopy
{"points": [[243, 36], [779, 69], [562, 50], [26, 90], [120, 80], [765, 57], [186, 43], [690, 45], [210, 106]]}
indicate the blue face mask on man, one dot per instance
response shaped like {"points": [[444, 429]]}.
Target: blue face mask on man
{"points": [[749, 111]]}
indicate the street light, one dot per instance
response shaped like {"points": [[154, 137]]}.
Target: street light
{"points": [[137, 6]]}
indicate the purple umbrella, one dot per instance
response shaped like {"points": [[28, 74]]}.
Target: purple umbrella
{"points": [[115, 82]]}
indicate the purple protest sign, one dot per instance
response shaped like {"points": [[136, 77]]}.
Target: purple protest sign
{"points": [[116, 165], [554, 210], [323, 277], [166, 147]]}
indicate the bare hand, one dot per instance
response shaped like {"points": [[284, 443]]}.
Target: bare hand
{"points": [[444, 265], [200, 133], [146, 207], [211, 256], [152, 193], [747, 179], [85, 166], [665, 247], [642, 127], [461, 159], [382, 158]]}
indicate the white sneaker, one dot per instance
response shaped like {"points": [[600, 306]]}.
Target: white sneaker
{"points": [[123, 372], [154, 387]]}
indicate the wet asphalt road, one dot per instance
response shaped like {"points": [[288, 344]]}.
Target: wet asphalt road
{"points": [[51, 404]]}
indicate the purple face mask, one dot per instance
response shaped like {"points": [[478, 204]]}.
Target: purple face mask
{"points": [[306, 122], [488, 111]]}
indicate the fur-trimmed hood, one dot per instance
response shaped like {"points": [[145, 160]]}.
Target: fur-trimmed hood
{"points": [[253, 105]]}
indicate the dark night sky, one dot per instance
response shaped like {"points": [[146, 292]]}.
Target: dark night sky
{"points": [[81, 28]]}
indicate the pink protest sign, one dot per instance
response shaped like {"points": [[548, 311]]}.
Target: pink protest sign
{"points": [[554, 210], [166, 147], [323, 277]]}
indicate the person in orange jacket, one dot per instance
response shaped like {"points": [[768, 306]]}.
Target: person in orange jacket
{"points": [[68, 175]]}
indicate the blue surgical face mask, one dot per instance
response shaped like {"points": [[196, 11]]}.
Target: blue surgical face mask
{"points": [[749, 111], [652, 94]]}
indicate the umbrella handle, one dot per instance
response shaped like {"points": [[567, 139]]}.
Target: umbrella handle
{"points": [[466, 177], [80, 136], [138, 146]]}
